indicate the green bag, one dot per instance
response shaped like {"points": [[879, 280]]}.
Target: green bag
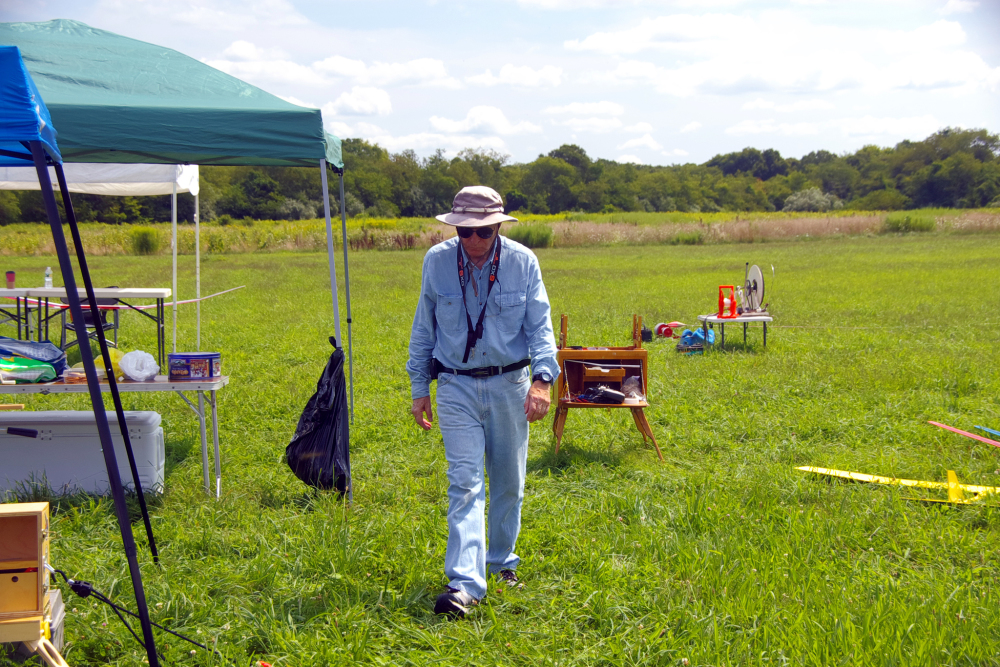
{"points": [[26, 371]]}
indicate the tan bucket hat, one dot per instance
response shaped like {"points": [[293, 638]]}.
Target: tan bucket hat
{"points": [[476, 206]]}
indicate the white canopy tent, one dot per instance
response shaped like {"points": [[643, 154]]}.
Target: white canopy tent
{"points": [[127, 180]]}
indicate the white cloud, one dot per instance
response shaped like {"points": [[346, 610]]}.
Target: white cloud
{"points": [[864, 127], [262, 72], [770, 127], [646, 141], [520, 76], [729, 54], [870, 126], [236, 16], [340, 66], [483, 120], [691, 127], [617, 4], [361, 101], [634, 159], [592, 124], [958, 7], [799, 105], [242, 50], [451, 143], [639, 127], [592, 108], [677, 152], [247, 61], [422, 71]]}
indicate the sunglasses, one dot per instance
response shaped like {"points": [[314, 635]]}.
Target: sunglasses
{"points": [[482, 232]]}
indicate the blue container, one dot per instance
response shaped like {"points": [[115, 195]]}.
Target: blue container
{"points": [[194, 365]]}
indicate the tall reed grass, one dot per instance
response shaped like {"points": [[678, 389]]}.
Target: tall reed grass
{"points": [[568, 230]]}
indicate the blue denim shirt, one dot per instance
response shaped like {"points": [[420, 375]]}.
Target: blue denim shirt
{"points": [[517, 325]]}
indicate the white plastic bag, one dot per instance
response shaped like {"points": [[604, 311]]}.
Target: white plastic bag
{"points": [[139, 366]]}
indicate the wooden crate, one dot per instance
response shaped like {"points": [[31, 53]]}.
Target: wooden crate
{"points": [[24, 552]]}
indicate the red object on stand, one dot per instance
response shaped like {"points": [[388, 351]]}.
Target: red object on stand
{"points": [[727, 309]]}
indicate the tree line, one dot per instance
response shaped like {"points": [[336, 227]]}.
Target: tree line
{"points": [[952, 168]]}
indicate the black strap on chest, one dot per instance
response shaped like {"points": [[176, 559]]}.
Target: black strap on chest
{"points": [[475, 333]]}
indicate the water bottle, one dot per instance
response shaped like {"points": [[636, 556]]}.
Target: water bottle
{"points": [[48, 276]]}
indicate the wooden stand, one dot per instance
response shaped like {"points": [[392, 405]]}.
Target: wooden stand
{"points": [[24, 584], [582, 368]]}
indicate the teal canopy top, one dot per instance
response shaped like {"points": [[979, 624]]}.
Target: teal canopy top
{"points": [[116, 99], [23, 116]]}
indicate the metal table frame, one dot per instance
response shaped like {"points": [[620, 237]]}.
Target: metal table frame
{"points": [[723, 321], [160, 383], [43, 294]]}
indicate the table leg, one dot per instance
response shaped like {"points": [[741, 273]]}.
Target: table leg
{"points": [[638, 424], [744, 334], [215, 437], [722, 335], [204, 440], [640, 420], [558, 423], [765, 335], [160, 344]]}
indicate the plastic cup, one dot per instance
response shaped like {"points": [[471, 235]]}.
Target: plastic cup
{"points": [[10, 279]]}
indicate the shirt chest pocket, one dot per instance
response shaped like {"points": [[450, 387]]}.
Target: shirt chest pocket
{"points": [[450, 314], [511, 306]]}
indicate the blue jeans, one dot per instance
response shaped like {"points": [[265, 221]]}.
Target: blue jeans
{"points": [[483, 419]]}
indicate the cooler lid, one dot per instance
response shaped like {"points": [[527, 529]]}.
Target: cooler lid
{"points": [[140, 418]]}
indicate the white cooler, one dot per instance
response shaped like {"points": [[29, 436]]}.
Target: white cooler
{"points": [[67, 454]]}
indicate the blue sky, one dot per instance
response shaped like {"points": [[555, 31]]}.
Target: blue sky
{"points": [[648, 81]]}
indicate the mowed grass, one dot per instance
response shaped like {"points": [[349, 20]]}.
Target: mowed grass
{"points": [[722, 554]]}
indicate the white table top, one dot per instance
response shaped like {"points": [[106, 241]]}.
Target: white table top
{"points": [[159, 383], [99, 292], [715, 319]]}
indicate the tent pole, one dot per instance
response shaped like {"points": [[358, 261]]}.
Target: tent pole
{"points": [[197, 267], [94, 387], [173, 243], [347, 284], [329, 252]]}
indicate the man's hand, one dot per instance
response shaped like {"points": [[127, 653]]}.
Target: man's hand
{"points": [[536, 405], [422, 406]]}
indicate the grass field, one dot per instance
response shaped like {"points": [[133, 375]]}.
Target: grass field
{"points": [[720, 555]]}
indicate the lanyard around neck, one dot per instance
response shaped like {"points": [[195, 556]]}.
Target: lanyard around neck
{"points": [[475, 333]]}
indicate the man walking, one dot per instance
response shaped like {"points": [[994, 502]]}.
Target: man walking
{"points": [[482, 319]]}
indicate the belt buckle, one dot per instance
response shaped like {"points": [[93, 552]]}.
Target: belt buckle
{"points": [[484, 372]]}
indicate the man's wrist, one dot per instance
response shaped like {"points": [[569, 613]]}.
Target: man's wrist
{"points": [[543, 377]]}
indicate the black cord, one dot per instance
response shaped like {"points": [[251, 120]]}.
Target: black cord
{"points": [[114, 607], [176, 634], [85, 589]]}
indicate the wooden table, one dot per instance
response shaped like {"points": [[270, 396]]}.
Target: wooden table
{"points": [[159, 383], [577, 372], [723, 321], [45, 294]]}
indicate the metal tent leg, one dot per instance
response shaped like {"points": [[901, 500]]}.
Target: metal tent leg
{"points": [[347, 285]]}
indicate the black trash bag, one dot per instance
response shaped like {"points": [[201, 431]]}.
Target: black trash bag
{"points": [[47, 352], [320, 451]]}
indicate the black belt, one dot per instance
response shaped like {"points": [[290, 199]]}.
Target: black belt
{"points": [[484, 372]]}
